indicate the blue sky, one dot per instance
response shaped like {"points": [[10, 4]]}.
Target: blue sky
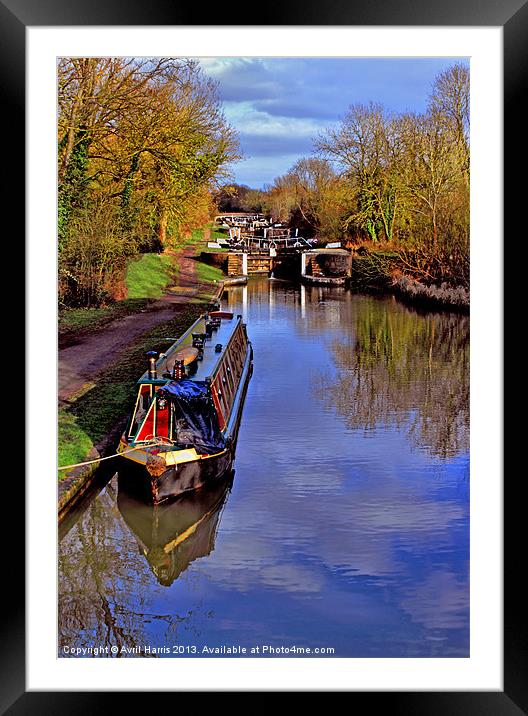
{"points": [[279, 105]]}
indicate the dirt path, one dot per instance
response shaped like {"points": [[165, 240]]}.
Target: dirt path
{"points": [[80, 363]]}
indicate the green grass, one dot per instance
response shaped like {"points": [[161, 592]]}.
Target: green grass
{"points": [[80, 319], [147, 277], [197, 237], [218, 234], [75, 319], [207, 273], [180, 242], [74, 444]]}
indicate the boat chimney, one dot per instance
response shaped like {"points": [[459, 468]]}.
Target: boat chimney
{"points": [[152, 372], [178, 370], [198, 341]]}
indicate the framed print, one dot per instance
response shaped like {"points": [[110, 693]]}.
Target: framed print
{"points": [[464, 656]]}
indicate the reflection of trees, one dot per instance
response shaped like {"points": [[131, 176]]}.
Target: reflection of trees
{"points": [[405, 369], [104, 588]]}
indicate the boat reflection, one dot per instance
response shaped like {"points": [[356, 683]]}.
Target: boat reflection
{"points": [[173, 534]]}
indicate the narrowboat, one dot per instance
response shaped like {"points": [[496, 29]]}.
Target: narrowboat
{"points": [[174, 533], [183, 430]]}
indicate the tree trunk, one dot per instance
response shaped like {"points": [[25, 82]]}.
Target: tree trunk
{"points": [[162, 228]]}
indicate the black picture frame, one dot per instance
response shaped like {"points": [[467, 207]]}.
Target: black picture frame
{"points": [[512, 16]]}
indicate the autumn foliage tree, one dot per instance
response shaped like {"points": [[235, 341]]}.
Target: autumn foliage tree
{"points": [[140, 141], [392, 180], [313, 196]]}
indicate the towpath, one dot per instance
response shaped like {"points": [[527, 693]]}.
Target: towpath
{"points": [[78, 364]]}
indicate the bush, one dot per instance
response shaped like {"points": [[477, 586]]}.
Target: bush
{"points": [[444, 295]]}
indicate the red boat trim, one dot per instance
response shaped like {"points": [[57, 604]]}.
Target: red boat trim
{"points": [[220, 314], [146, 430]]}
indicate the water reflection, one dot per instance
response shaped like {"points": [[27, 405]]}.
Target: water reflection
{"points": [[173, 534], [393, 368], [106, 597]]}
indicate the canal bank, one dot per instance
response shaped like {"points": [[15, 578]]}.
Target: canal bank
{"points": [[386, 272], [97, 375]]}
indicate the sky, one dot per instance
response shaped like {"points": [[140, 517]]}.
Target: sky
{"points": [[280, 105]]}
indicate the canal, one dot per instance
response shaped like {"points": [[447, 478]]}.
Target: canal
{"points": [[345, 525]]}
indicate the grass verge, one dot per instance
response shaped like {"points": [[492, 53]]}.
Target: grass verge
{"points": [[207, 273], [79, 320], [74, 443], [146, 278], [149, 275]]}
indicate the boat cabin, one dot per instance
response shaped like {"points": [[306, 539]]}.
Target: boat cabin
{"points": [[188, 395]]}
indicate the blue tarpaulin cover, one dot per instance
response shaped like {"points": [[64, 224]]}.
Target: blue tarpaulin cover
{"points": [[197, 422]]}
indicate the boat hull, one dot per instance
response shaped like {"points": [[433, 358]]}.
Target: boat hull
{"points": [[176, 480]]}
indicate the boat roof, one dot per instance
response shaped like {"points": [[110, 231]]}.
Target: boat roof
{"points": [[206, 367]]}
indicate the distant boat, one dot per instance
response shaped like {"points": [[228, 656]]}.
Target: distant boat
{"points": [[234, 280], [173, 534], [183, 430], [326, 280]]}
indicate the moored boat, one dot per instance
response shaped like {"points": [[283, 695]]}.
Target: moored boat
{"points": [[183, 430]]}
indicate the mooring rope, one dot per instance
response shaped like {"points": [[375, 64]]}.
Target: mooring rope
{"points": [[156, 441]]}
